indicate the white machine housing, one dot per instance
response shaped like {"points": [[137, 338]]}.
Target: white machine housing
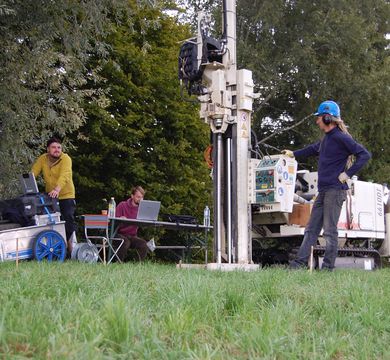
{"points": [[272, 188], [362, 214]]}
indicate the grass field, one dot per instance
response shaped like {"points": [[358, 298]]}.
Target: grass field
{"points": [[154, 311]]}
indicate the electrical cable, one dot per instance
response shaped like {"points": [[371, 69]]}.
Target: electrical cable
{"points": [[208, 156], [283, 130]]}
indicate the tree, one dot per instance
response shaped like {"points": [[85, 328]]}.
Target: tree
{"points": [[304, 52], [45, 47], [146, 134]]}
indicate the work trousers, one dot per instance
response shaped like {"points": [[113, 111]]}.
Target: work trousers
{"points": [[325, 214], [133, 242], [68, 208]]}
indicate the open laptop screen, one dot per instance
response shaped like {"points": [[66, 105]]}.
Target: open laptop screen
{"points": [[148, 210], [28, 183]]}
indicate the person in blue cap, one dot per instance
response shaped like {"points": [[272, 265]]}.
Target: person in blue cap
{"points": [[335, 152]]}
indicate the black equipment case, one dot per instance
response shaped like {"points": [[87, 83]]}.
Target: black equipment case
{"points": [[22, 209]]}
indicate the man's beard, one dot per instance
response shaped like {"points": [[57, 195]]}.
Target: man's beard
{"points": [[135, 202], [55, 157]]}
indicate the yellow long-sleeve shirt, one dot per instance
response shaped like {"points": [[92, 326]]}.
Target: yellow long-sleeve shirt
{"points": [[56, 174]]}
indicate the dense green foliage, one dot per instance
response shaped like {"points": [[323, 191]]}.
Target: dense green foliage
{"points": [[45, 47], [102, 75], [304, 52], [150, 311], [146, 134]]}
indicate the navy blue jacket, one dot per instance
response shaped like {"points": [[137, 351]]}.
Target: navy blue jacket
{"points": [[333, 151]]}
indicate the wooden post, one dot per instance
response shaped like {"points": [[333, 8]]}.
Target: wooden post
{"points": [[311, 259], [17, 253], [104, 251]]}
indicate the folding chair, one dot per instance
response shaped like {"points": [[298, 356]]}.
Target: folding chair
{"points": [[97, 233]]}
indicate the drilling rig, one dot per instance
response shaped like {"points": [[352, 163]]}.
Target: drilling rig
{"points": [[256, 201], [208, 69]]}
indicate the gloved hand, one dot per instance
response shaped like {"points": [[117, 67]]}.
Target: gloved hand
{"points": [[288, 153], [343, 177]]}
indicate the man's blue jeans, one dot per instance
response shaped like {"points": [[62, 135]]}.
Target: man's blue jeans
{"points": [[325, 214]]}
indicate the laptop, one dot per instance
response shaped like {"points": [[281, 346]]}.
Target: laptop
{"points": [[28, 184], [148, 210]]}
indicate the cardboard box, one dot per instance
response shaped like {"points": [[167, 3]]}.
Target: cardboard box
{"points": [[300, 214]]}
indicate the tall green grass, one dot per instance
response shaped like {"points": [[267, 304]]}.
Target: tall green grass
{"points": [[152, 311]]}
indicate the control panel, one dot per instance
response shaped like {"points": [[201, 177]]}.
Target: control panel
{"points": [[272, 183]]}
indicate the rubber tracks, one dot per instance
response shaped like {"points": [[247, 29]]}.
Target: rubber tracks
{"points": [[354, 252]]}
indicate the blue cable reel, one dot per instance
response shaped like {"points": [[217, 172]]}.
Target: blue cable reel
{"points": [[49, 245]]}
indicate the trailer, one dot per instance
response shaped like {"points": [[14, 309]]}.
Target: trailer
{"points": [[39, 234]]}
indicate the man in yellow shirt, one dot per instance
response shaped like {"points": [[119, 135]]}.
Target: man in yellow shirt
{"points": [[56, 168]]}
